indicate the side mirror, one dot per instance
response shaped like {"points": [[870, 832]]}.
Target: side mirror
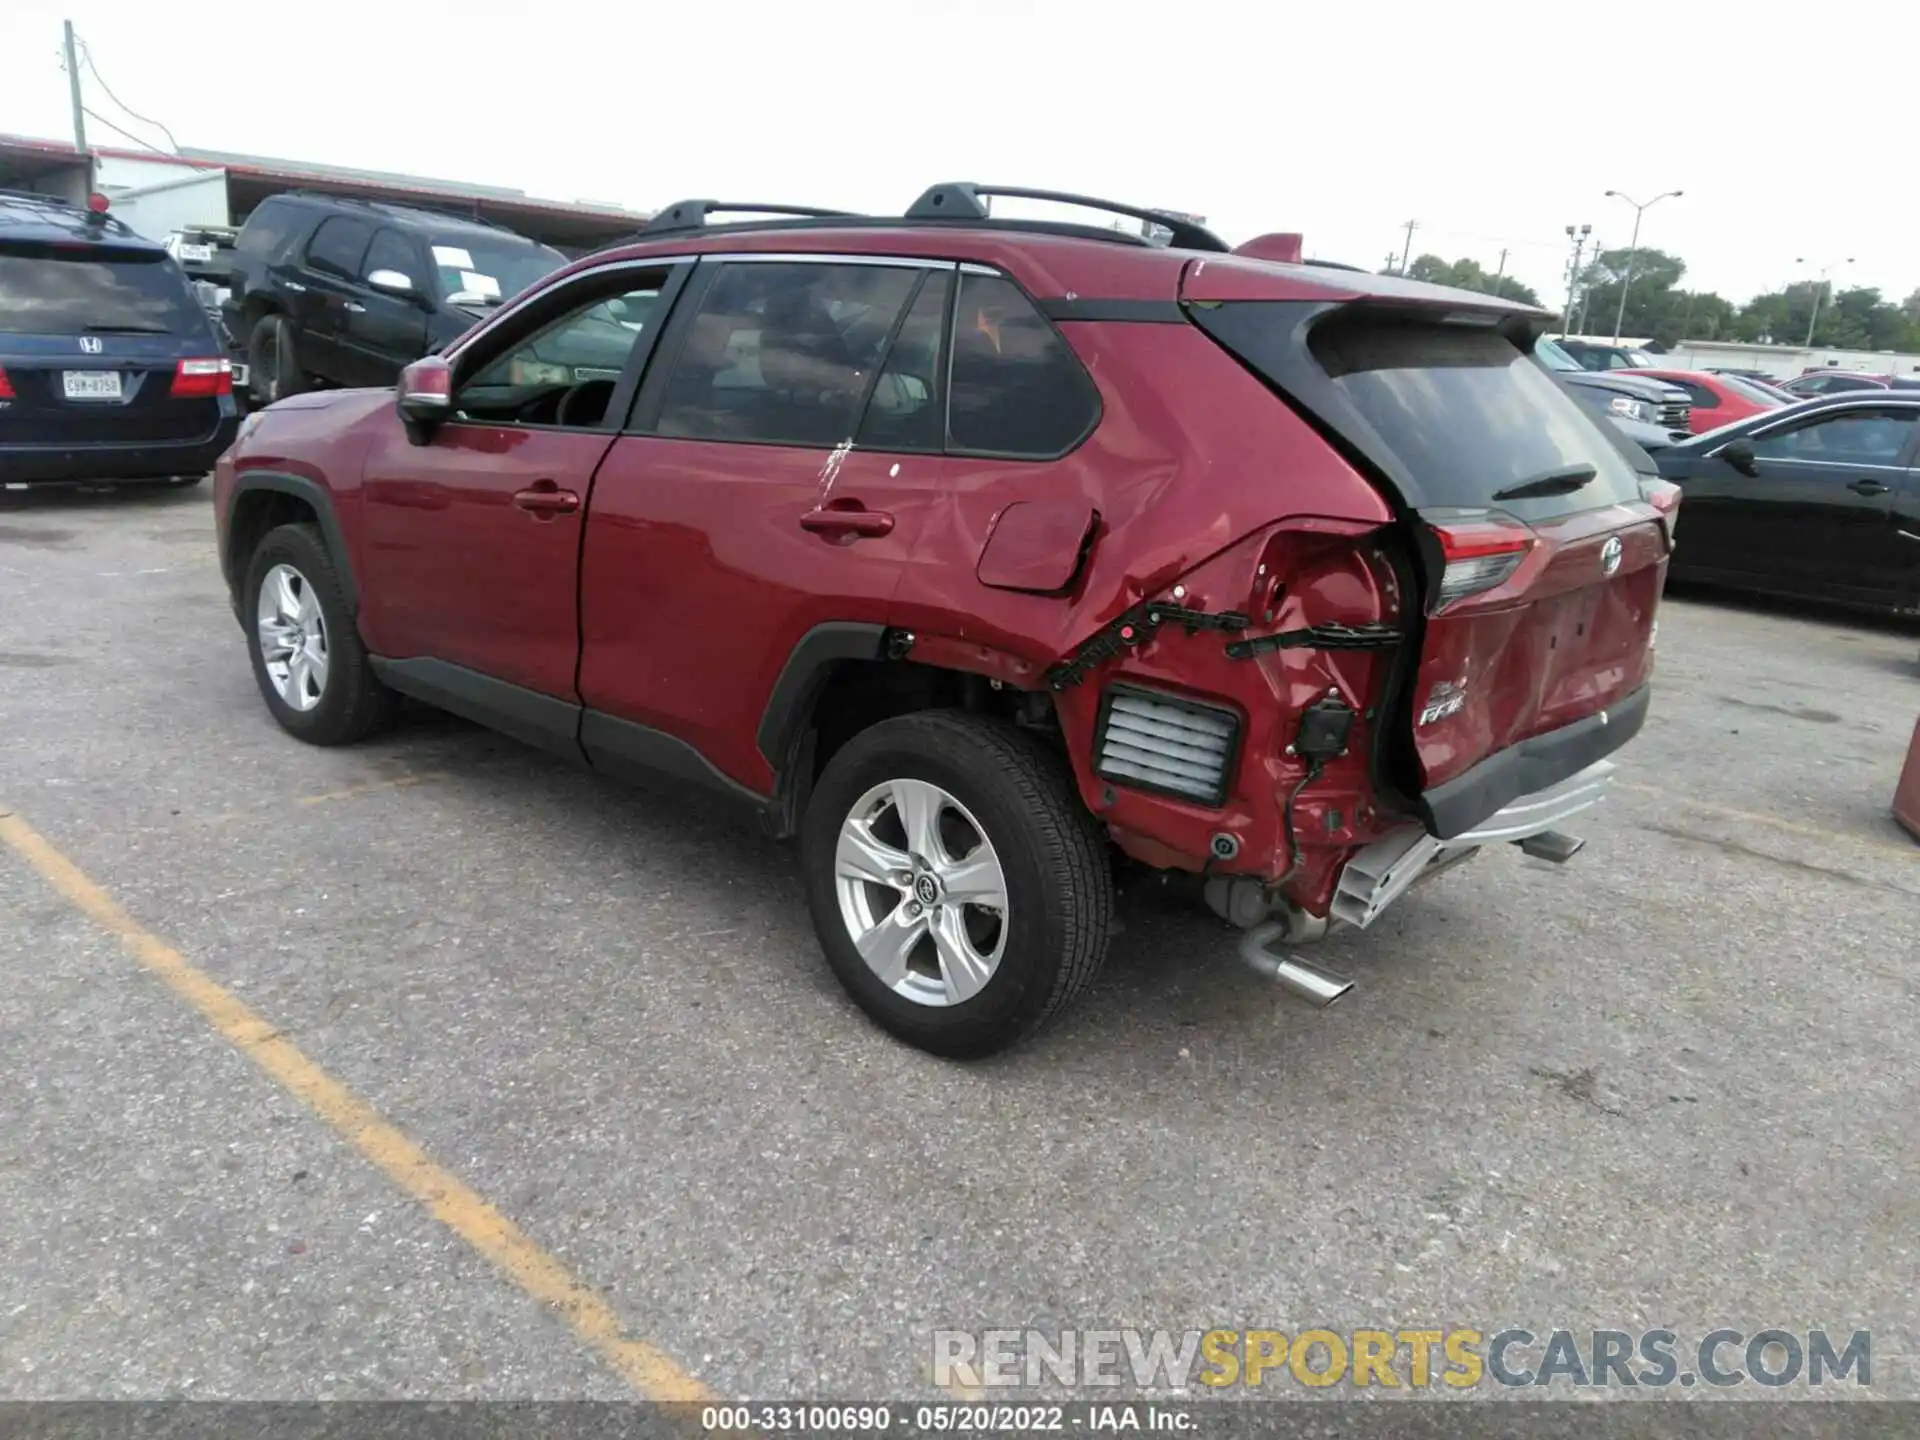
{"points": [[425, 396], [392, 282], [1739, 455]]}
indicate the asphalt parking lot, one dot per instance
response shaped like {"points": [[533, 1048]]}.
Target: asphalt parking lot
{"points": [[1670, 1083]]}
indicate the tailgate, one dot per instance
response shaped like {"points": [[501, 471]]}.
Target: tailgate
{"points": [[1541, 556]]}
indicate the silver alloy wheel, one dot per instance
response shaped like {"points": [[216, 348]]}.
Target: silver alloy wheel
{"points": [[921, 892], [293, 637]]}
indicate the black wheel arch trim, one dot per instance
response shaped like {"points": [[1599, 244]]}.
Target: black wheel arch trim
{"points": [[301, 488], [790, 702], [1531, 765]]}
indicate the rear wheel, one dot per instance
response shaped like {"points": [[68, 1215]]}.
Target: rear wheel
{"points": [[960, 891], [312, 669], [271, 372]]}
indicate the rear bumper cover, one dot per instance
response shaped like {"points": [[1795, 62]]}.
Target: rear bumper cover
{"points": [[56, 465], [1378, 875], [1533, 766]]}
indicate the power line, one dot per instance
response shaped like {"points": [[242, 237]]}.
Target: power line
{"points": [[86, 55], [125, 134]]}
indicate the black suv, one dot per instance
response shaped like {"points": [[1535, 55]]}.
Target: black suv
{"points": [[335, 291], [109, 368]]}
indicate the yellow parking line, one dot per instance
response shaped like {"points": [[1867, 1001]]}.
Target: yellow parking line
{"points": [[543, 1278], [1754, 817]]}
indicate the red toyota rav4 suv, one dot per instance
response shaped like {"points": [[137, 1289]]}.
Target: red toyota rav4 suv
{"points": [[964, 548]]}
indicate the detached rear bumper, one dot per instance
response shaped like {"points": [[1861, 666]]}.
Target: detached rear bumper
{"points": [[1378, 875]]}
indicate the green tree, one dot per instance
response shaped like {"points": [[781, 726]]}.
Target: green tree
{"points": [[1650, 278], [1469, 274]]}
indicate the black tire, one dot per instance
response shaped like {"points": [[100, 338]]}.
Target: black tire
{"points": [[352, 704], [1059, 886], [271, 373]]}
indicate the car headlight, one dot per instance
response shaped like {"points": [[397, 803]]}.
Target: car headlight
{"points": [[1630, 409]]}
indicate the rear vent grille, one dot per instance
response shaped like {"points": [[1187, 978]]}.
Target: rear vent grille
{"points": [[1158, 742]]}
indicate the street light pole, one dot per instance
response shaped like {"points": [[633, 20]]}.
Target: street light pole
{"points": [[1633, 248]]}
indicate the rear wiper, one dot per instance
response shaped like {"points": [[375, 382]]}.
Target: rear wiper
{"points": [[1563, 481], [113, 328]]}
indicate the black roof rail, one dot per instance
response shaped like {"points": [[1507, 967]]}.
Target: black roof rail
{"points": [[964, 200], [44, 199], [384, 206], [693, 214]]}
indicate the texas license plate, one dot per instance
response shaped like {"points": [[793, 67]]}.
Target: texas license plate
{"points": [[92, 384], [199, 254]]}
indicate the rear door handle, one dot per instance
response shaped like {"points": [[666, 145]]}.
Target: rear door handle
{"points": [[295, 286], [356, 307], [849, 522], [545, 500], [1864, 486]]}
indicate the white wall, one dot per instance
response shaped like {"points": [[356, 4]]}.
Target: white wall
{"points": [[155, 211]]}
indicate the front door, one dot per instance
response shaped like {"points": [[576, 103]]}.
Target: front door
{"points": [[473, 539], [386, 331], [1818, 511], [740, 515]]}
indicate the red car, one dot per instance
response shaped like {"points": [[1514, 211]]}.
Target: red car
{"points": [[969, 551], [1719, 399]]}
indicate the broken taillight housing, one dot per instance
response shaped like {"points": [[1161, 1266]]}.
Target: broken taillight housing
{"points": [[1664, 496], [6, 385]]}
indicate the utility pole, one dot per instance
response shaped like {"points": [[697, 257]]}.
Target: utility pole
{"points": [[1406, 252], [1501, 273], [1820, 290], [1633, 249], [73, 93], [1579, 239]]}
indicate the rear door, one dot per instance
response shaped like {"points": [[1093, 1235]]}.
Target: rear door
{"points": [[330, 277], [92, 340], [1541, 561], [738, 513]]}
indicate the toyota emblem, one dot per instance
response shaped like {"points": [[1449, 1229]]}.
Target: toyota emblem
{"points": [[90, 344], [1610, 555]]}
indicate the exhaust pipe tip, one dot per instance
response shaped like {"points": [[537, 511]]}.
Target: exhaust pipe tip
{"points": [[1319, 988]]}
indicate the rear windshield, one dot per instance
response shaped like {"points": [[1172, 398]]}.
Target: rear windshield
{"points": [[47, 291], [1465, 415], [1751, 390]]}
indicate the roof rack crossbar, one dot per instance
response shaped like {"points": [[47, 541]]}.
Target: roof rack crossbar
{"points": [[964, 200], [693, 214]]}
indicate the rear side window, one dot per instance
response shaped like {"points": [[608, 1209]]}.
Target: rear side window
{"points": [[783, 353], [1465, 414], [1016, 387], [48, 291], [338, 244]]}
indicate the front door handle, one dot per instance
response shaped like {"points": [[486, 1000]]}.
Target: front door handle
{"points": [[843, 521], [295, 286], [1864, 486], [545, 500], [355, 307]]}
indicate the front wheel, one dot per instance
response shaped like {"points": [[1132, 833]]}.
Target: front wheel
{"points": [[307, 657], [960, 890]]}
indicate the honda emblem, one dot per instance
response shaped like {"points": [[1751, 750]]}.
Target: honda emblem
{"points": [[90, 344], [1610, 555]]}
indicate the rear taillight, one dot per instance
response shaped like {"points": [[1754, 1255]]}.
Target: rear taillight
{"points": [[1478, 557], [193, 379], [6, 385], [1664, 496]]}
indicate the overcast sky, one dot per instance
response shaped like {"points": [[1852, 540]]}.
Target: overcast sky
{"points": [[1493, 124]]}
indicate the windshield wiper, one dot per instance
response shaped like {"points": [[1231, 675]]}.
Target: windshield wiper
{"points": [[1564, 481], [118, 328]]}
